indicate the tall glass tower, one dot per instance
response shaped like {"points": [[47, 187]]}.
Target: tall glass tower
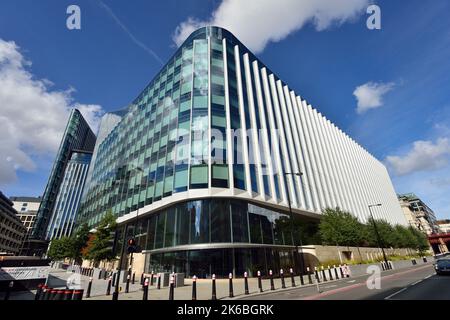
{"points": [[77, 136], [211, 155]]}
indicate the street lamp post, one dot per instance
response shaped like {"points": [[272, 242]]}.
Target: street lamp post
{"points": [[300, 174], [380, 243]]}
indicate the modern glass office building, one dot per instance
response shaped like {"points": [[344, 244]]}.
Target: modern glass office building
{"points": [[211, 155], [77, 136], [68, 200]]}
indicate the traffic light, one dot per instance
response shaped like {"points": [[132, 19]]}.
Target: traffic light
{"points": [[133, 247], [112, 241]]}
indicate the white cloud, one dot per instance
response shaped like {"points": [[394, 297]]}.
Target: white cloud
{"points": [[32, 115], [259, 22], [424, 156], [370, 95]]}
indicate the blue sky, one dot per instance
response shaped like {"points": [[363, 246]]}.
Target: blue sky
{"points": [[398, 76]]}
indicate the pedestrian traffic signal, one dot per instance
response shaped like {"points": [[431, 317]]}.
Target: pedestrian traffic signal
{"points": [[133, 247]]}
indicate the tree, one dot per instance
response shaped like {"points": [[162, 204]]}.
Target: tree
{"points": [[100, 247], [79, 241], [385, 230], [60, 249], [421, 241], [338, 227]]}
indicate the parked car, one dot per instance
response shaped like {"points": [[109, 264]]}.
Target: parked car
{"points": [[442, 266]]}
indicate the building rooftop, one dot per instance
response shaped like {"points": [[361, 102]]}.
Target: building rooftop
{"points": [[26, 199]]}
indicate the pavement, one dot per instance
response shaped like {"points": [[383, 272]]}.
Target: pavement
{"points": [[415, 282]]}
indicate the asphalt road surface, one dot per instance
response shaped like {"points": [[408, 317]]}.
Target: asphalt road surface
{"points": [[417, 283]]}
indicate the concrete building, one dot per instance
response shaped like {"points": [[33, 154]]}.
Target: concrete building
{"points": [[444, 226], [12, 230], [27, 208], [418, 214], [77, 136], [211, 156], [68, 200]]}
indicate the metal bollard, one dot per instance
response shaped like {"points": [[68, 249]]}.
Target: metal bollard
{"points": [[142, 279], [105, 275], [425, 260], [336, 272], [283, 284], [272, 285], [291, 271], [214, 294], [323, 274], [108, 288], [342, 272], [38, 291], [133, 279], [330, 274], [316, 272], [127, 286], [260, 282], [43, 291], [194, 288], [158, 281], [78, 295], [151, 278], [114, 282], [8, 290], [246, 291], [302, 280], [230, 286], [172, 286], [145, 289], [88, 293], [309, 275]]}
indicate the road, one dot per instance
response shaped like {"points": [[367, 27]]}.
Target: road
{"points": [[418, 283]]}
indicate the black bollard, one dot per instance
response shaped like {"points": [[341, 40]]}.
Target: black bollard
{"points": [[145, 289], [105, 274], [214, 295], [260, 282], [330, 274], [246, 283], [158, 281], [78, 295], [68, 294], [316, 272], [336, 272], [230, 286], [133, 279], [88, 293], [8, 290], [44, 289], [283, 284], [425, 260], [291, 271], [38, 291], [272, 285], [142, 279], [48, 293], [302, 281], [309, 275], [114, 282], [127, 286], [341, 271], [108, 288], [324, 276], [194, 288], [172, 286], [151, 279]]}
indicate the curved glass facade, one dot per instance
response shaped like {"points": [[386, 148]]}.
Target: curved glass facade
{"points": [[246, 232]]}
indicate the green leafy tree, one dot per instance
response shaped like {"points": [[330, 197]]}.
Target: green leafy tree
{"points": [[60, 249], [100, 247], [421, 241], [338, 227], [386, 232], [79, 242]]}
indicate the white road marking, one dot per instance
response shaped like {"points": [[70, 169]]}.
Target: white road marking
{"points": [[394, 294], [351, 281], [328, 287], [428, 276]]}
